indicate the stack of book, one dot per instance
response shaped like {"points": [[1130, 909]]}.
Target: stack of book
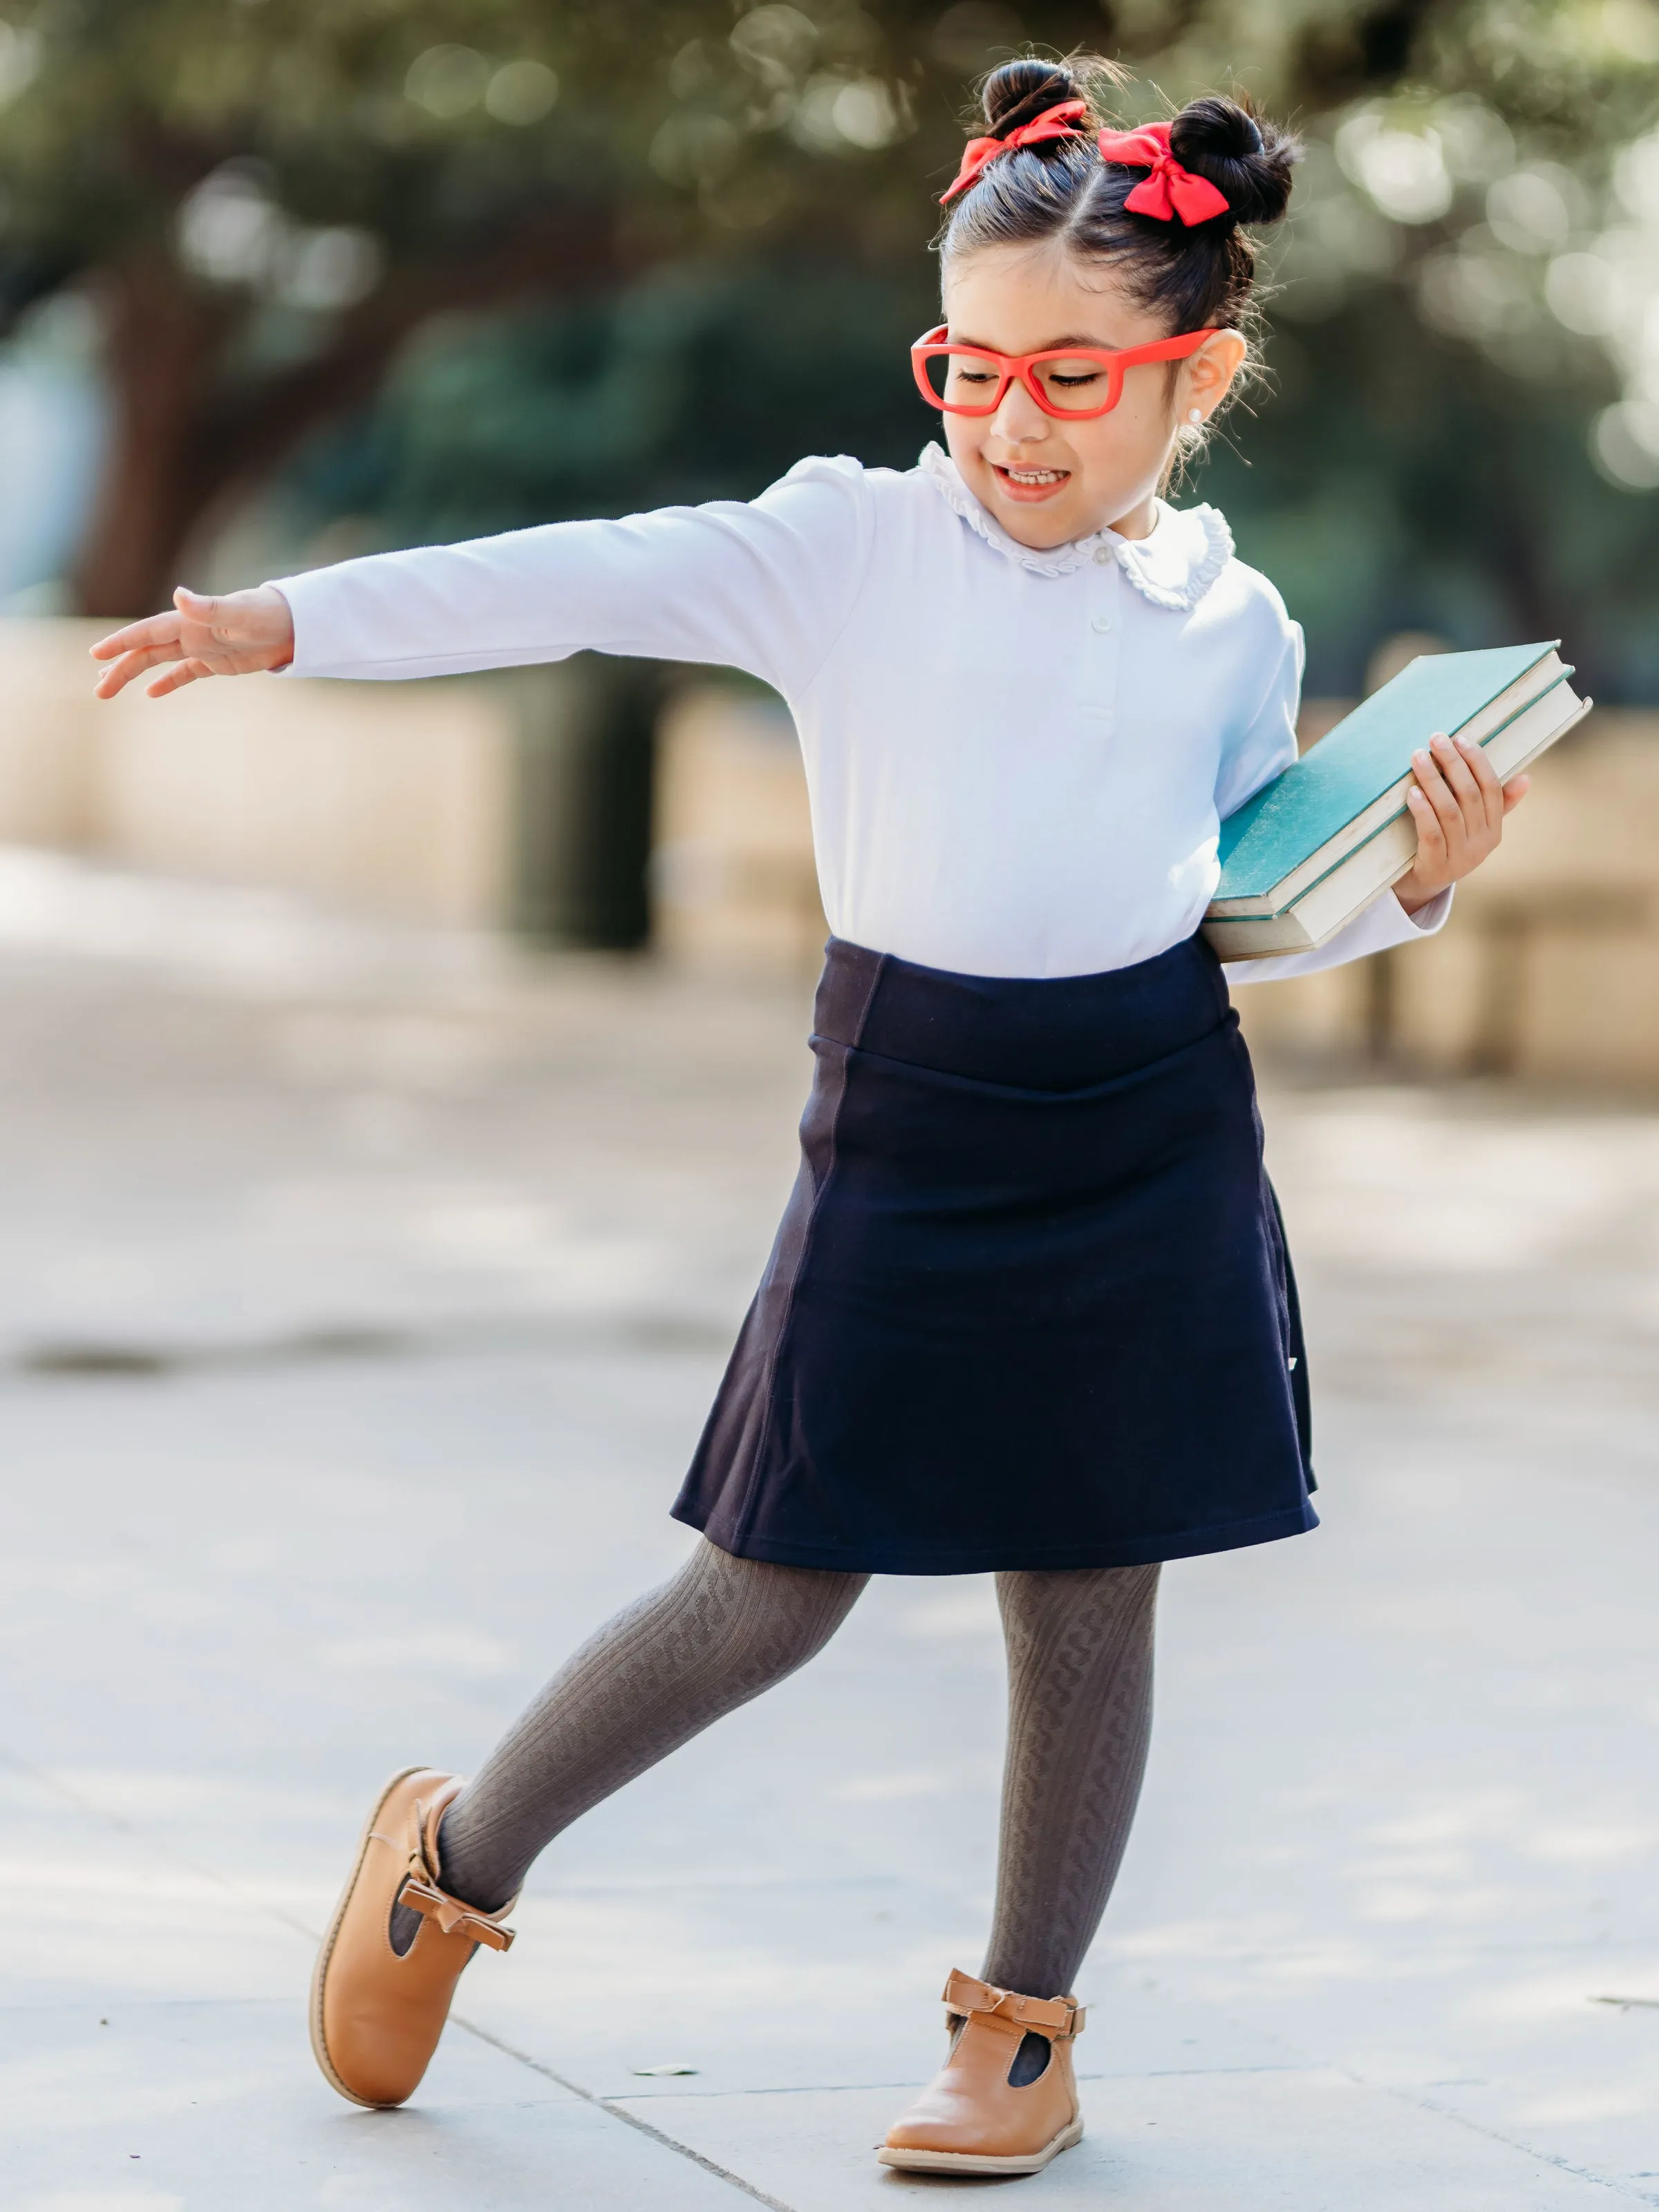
{"points": [[1321, 842]]}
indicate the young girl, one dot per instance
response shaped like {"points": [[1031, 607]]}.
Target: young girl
{"points": [[1029, 1311]]}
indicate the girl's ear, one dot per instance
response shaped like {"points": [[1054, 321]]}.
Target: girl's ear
{"points": [[1211, 371]]}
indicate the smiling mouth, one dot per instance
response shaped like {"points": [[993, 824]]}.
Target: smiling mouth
{"points": [[1030, 484]]}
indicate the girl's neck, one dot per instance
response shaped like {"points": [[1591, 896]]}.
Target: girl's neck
{"points": [[1139, 522]]}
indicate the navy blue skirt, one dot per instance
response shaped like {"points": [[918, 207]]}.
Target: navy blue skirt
{"points": [[1029, 1303]]}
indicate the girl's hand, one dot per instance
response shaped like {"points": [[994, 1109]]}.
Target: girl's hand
{"points": [[237, 636], [1459, 807]]}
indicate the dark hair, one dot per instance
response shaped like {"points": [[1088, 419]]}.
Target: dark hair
{"points": [[1193, 277]]}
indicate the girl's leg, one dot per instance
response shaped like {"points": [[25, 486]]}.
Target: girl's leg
{"points": [[1079, 1716], [1079, 1713], [718, 1633], [437, 1861]]}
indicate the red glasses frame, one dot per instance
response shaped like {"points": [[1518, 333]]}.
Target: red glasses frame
{"points": [[1113, 359]]}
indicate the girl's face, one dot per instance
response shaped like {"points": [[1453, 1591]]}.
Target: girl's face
{"points": [[1046, 480]]}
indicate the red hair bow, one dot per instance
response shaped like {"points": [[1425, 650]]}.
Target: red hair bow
{"points": [[1060, 122], [1170, 191]]}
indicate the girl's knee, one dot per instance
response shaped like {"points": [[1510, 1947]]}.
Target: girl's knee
{"points": [[773, 1619]]}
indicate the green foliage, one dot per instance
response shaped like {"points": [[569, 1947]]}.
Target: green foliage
{"points": [[343, 110], [696, 384], [1392, 483], [423, 120], [279, 197]]}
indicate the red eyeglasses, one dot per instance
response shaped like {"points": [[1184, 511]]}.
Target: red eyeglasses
{"points": [[963, 379]]}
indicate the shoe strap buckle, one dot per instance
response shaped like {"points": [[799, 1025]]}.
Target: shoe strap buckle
{"points": [[453, 1917], [965, 1995]]}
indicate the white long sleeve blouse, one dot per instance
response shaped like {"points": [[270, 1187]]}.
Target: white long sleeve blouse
{"points": [[1018, 761]]}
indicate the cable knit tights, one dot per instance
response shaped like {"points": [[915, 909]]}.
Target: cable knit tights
{"points": [[723, 1629]]}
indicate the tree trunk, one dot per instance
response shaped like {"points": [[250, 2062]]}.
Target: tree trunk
{"points": [[183, 444], [161, 343]]}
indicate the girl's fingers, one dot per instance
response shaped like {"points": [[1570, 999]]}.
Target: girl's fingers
{"points": [[176, 678], [1460, 780], [1458, 805], [138, 637], [1485, 779], [1438, 794], [1480, 764], [1431, 837], [218, 618], [130, 665]]}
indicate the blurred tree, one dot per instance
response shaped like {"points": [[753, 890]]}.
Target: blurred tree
{"points": [[268, 197], [1467, 327], [692, 384]]}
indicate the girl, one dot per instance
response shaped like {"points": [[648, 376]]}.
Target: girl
{"points": [[1029, 1311]]}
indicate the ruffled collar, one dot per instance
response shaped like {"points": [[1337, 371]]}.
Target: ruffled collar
{"points": [[1173, 568]]}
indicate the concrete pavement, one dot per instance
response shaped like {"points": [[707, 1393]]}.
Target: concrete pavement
{"points": [[360, 1296]]}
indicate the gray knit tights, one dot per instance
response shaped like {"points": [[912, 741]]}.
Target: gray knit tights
{"points": [[723, 1629]]}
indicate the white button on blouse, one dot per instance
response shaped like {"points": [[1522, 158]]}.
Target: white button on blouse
{"points": [[988, 794]]}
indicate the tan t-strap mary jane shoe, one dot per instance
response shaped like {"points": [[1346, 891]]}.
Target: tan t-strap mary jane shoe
{"points": [[376, 2013], [970, 2118]]}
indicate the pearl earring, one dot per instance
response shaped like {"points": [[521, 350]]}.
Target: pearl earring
{"points": [[1195, 415]]}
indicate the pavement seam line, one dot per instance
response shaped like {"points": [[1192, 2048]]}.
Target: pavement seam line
{"points": [[856, 2088], [628, 2119], [55, 1786], [1496, 2135]]}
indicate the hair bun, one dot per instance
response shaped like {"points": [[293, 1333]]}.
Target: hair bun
{"points": [[1020, 91], [1249, 161]]}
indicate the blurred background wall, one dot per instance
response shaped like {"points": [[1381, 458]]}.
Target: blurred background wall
{"points": [[279, 284]]}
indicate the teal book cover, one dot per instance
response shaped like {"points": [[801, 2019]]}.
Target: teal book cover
{"points": [[1317, 796]]}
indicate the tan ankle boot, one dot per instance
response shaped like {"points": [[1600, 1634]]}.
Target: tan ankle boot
{"points": [[375, 2015], [970, 2118]]}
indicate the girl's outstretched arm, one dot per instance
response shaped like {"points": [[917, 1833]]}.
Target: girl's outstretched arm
{"points": [[764, 586]]}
